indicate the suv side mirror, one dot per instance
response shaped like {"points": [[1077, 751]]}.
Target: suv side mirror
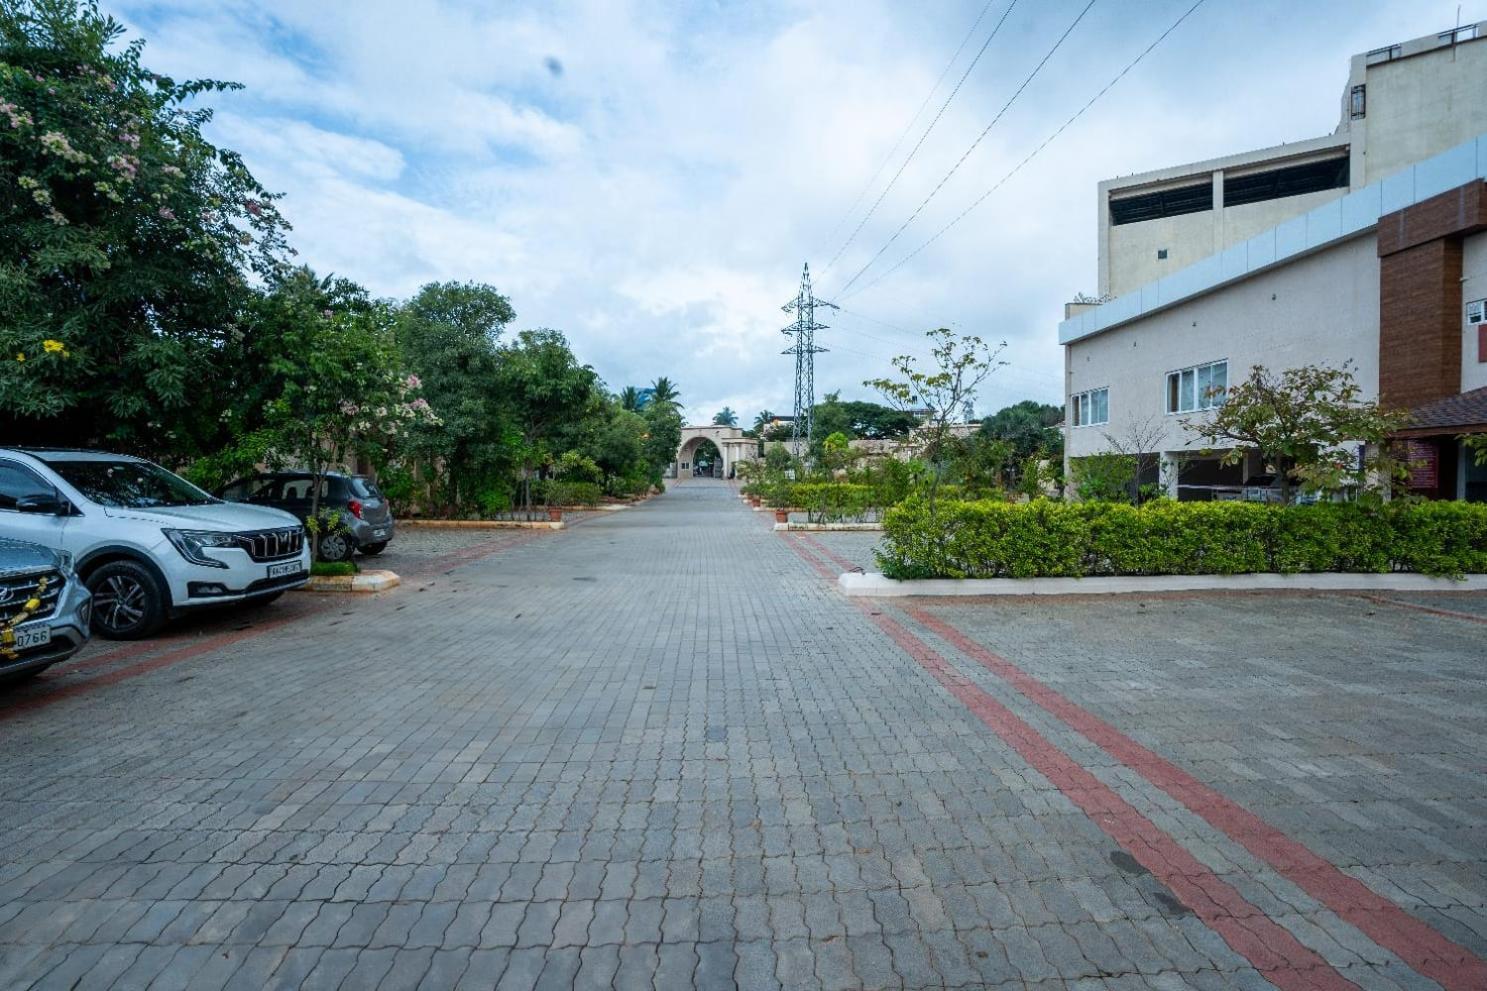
{"points": [[41, 503]]}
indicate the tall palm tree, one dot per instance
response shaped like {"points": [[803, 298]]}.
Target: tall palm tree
{"points": [[762, 420], [630, 398], [663, 390], [725, 417]]}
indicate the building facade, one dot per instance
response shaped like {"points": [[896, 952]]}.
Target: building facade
{"points": [[1401, 104], [1384, 270]]}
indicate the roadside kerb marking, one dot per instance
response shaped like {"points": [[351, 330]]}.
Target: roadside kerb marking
{"points": [[1269, 947], [1452, 966]]}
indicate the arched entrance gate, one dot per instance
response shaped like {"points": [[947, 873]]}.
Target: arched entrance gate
{"points": [[716, 449]]}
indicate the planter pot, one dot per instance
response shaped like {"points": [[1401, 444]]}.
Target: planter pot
{"points": [[754, 501], [782, 516], [555, 515]]}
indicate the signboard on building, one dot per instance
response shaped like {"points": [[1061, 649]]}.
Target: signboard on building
{"points": [[1424, 460]]}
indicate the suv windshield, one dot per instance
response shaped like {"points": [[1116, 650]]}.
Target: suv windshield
{"points": [[130, 484]]}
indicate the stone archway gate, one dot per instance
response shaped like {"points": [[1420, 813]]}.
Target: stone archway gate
{"points": [[732, 445]]}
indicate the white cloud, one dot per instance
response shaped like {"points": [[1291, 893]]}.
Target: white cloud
{"points": [[656, 199]]}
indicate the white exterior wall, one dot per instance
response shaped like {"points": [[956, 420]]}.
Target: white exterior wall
{"points": [[1473, 286], [1419, 105], [1131, 249], [1320, 309]]}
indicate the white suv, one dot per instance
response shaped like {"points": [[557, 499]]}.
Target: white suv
{"points": [[146, 542]]}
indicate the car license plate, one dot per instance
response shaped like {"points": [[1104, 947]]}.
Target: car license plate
{"points": [[38, 636], [282, 570], [380, 532]]}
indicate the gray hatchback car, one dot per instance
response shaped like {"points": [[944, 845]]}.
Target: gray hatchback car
{"points": [[44, 609], [366, 519]]}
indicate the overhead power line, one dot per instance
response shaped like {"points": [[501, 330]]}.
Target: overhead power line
{"points": [[967, 154], [857, 201], [1031, 155], [920, 143]]}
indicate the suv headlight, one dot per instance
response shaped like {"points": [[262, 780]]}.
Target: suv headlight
{"points": [[191, 542]]}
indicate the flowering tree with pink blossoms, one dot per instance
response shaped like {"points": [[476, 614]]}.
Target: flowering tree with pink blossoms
{"points": [[130, 239]]}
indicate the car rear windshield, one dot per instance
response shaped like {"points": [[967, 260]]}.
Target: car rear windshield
{"points": [[363, 488], [130, 484]]}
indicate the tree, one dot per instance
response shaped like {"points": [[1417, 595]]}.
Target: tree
{"points": [[448, 334], [630, 399], [130, 240], [1022, 434], [836, 451], [663, 437], [960, 366], [1300, 421], [725, 417], [762, 420], [545, 395], [1029, 426], [1139, 444], [328, 383], [663, 391]]}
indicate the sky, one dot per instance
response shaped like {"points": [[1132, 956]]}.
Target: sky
{"points": [[649, 178]]}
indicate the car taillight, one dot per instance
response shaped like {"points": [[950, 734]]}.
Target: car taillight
{"points": [[355, 506]]}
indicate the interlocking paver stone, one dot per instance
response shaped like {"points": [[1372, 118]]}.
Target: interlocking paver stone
{"points": [[658, 749]]}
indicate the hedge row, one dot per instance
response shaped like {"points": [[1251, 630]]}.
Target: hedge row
{"points": [[1055, 539]]}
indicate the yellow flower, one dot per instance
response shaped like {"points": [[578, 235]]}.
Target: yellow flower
{"points": [[19, 356], [54, 347]]}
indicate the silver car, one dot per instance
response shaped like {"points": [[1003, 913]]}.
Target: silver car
{"points": [[44, 609]]}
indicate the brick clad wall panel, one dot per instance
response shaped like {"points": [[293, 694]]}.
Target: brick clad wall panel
{"points": [[1419, 323]]}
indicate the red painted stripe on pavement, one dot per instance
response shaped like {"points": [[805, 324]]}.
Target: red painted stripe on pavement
{"points": [[164, 660], [168, 656], [1269, 947], [1452, 966], [1432, 610], [831, 555]]}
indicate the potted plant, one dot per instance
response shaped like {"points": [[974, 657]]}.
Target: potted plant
{"points": [[782, 515]]}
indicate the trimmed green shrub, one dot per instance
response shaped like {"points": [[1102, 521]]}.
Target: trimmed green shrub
{"points": [[1054, 539], [832, 502], [556, 493]]}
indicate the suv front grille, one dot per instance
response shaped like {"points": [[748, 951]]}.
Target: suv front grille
{"points": [[272, 545], [17, 590]]}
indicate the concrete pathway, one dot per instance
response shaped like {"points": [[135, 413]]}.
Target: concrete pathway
{"points": [[659, 749]]}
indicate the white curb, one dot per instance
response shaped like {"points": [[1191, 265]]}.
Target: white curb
{"points": [[366, 581], [876, 585]]}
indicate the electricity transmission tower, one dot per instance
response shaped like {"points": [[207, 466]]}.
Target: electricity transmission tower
{"points": [[805, 350]]}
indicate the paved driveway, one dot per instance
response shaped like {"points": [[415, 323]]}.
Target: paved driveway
{"points": [[658, 749]]}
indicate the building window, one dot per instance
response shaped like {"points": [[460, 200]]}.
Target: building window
{"points": [[1197, 388], [1163, 203], [1476, 312], [1358, 101], [1293, 180], [1161, 254], [1090, 408]]}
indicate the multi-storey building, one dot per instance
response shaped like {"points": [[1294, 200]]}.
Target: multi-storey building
{"points": [[1367, 246]]}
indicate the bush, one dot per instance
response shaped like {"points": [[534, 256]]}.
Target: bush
{"points": [[829, 502], [333, 569], [1104, 477], [556, 493], [1055, 539]]}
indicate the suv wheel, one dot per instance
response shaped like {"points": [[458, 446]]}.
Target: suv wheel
{"points": [[376, 548], [335, 547], [128, 603]]}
